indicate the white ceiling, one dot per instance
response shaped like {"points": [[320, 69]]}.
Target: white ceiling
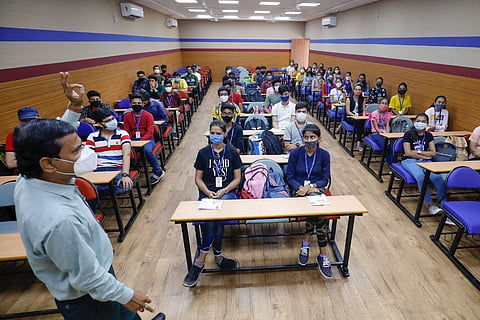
{"points": [[246, 8]]}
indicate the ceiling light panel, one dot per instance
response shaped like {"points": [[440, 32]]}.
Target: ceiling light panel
{"points": [[227, 1], [186, 1], [269, 3], [257, 17], [197, 10], [230, 17], [309, 4], [282, 18], [293, 12], [262, 11], [230, 10], [204, 16]]}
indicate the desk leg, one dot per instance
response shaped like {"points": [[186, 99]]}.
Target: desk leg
{"points": [[421, 199], [382, 160], [116, 209], [348, 245], [354, 135], [145, 169], [186, 245], [335, 123]]}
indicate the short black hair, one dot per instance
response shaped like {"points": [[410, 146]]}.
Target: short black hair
{"points": [[176, 74], [93, 93], [140, 72], [301, 105], [36, 139], [228, 105], [152, 77], [269, 71], [403, 84], [135, 95], [313, 128], [283, 88], [223, 89], [101, 113], [156, 66], [276, 80], [163, 66], [226, 82], [379, 78]]}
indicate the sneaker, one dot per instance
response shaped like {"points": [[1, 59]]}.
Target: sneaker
{"points": [[324, 266], [303, 256], [192, 277], [227, 263], [160, 316], [162, 176], [450, 222], [359, 148], [434, 210]]}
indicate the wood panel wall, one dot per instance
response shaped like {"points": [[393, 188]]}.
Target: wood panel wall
{"points": [[423, 87], [300, 52], [218, 60], [114, 81]]}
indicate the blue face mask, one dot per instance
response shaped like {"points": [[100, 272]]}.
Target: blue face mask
{"points": [[112, 124], [284, 98], [420, 125], [439, 106], [216, 139]]}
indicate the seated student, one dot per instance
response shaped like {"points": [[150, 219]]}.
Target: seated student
{"points": [[112, 146], [141, 84], [233, 97], [272, 98], [299, 79], [190, 78], [95, 102], [293, 137], [166, 75], [401, 102], [355, 106], [217, 176], [267, 83], [475, 144], [24, 114], [362, 79], [234, 130], [224, 95], [317, 82], [419, 146], [337, 94], [171, 99], [261, 76], [255, 74], [236, 86], [308, 173], [228, 71], [197, 74], [307, 79], [327, 86], [156, 73], [283, 112], [155, 108], [139, 125], [380, 121], [437, 115], [178, 83], [378, 92], [156, 88], [348, 83]]}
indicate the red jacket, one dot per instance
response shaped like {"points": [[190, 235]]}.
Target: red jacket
{"points": [[146, 126]]}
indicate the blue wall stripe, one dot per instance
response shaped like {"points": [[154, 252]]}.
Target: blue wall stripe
{"points": [[464, 42]]}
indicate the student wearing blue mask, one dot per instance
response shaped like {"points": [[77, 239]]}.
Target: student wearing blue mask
{"points": [[283, 112], [419, 146], [437, 115], [217, 176]]}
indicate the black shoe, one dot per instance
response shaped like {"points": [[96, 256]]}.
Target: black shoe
{"points": [[228, 263], [192, 277], [160, 316]]}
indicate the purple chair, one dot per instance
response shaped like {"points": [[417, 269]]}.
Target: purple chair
{"points": [[464, 213], [372, 146], [84, 129], [124, 103]]}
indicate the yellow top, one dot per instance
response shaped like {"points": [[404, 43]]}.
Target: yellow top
{"points": [[217, 112], [400, 104]]}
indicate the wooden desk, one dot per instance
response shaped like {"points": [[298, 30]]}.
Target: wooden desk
{"points": [[122, 110], [159, 122], [436, 167], [278, 158], [246, 115], [11, 247], [187, 211], [5, 179], [139, 145], [247, 133]]}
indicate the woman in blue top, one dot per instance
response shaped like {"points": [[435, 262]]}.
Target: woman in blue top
{"points": [[217, 176], [308, 172]]}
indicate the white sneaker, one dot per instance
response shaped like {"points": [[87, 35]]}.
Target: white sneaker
{"points": [[450, 222], [434, 209]]}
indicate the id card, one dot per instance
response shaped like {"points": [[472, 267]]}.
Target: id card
{"points": [[218, 182], [306, 183], [137, 135]]}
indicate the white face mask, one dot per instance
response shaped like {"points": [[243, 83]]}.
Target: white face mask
{"points": [[168, 89], [223, 98], [301, 116], [338, 84], [87, 162], [276, 88], [157, 70]]}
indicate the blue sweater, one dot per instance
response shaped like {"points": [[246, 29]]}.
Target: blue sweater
{"points": [[297, 172]]}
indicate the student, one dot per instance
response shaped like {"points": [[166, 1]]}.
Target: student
{"points": [[337, 94], [112, 146], [437, 115], [236, 86], [141, 84], [299, 79], [419, 146], [155, 89], [155, 108], [276, 82], [475, 144], [255, 74], [217, 176], [362, 79], [355, 106], [327, 86], [139, 124], [267, 83], [233, 97], [166, 76], [308, 173], [190, 78], [261, 77], [283, 112], [224, 96], [293, 137], [400, 103], [317, 82], [228, 71], [307, 80], [380, 121], [378, 92], [234, 130], [348, 83], [178, 83], [95, 102], [273, 98]]}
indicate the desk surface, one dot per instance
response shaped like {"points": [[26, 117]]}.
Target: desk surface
{"points": [[11, 247], [396, 135], [447, 166], [246, 115], [247, 133], [159, 122], [100, 177], [267, 208], [278, 158], [139, 143], [5, 179], [172, 109]]}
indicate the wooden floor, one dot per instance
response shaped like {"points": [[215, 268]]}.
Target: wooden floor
{"points": [[396, 271]]}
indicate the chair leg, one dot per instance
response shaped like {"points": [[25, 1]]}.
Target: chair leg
{"points": [[400, 190], [456, 241]]}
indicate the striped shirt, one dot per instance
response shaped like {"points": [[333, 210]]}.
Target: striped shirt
{"points": [[109, 151]]}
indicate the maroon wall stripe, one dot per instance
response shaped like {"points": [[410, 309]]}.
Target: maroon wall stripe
{"points": [[426, 66], [44, 69], [235, 50]]}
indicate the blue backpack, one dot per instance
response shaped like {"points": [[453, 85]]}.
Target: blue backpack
{"points": [[255, 144], [275, 186], [445, 151]]}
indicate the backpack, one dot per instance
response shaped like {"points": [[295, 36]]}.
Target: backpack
{"points": [[445, 151], [252, 94], [255, 179], [255, 122], [275, 186], [255, 144], [218, 110], [461, 144], [254, 107], [271, 144], [401, 124]]}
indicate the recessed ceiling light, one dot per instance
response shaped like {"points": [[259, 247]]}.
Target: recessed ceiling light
{"points": [[230, 17], [261, 11], [230, 10], [293, 12], [228, 1], [204, 16], [197, 10], [186, 1], [282, 18], [269, 3], [257, 17], [309, 4]]}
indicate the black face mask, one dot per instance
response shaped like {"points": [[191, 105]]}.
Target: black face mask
{"points": [[137, 107], [379, 84], [402, 91], [95, 104], [227, 119]]}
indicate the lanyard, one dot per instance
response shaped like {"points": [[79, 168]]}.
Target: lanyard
{"points": [[137, 123], [299, 132], [217, 168], [382, 121], [232, 132], [435, 117], [400, 101], [309, 171], [422, 146], [169, 100]]}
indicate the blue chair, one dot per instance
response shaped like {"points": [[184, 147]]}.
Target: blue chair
{"points": [[124, 103], [6, 199], [330, 119], [465, 214], [84, 129], [371, 145]]}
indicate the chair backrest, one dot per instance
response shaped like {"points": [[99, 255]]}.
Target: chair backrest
{"points": [[89, 191], [371, 107], [124, 103], [183, 94], [84, 129], [463, 178], [398, 147], [6, 194]]}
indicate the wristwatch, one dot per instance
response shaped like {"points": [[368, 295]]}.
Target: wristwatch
{"points": [[312, 185], [297, 144], [124, 174], [419, 151]]}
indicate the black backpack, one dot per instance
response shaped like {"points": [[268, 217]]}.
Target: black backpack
{"points": [[271, 144], [401, 124], [252, 94], [256, 122]]}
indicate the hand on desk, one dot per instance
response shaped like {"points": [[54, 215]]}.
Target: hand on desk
{"points": [[139, 302]]}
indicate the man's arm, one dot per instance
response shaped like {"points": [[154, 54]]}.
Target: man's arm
{"points": [[74, 93], [126, 150]]}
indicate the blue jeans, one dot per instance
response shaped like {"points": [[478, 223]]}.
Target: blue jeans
{"points": [[212, 231], [151, 158], [86, 308], [103, 189], [419, 174]]}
